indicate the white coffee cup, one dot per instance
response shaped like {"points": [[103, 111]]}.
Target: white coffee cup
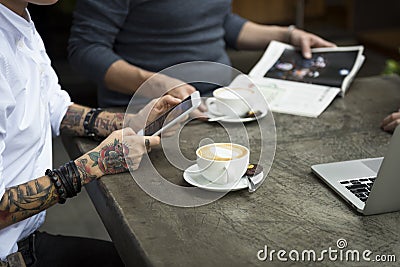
{"points": [[222, 163], [229, 102]]}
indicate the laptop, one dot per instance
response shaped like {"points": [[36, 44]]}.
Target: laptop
{"points": [[370, 185]]}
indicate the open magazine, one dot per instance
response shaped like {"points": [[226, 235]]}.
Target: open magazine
{"points": [[294, 85]]}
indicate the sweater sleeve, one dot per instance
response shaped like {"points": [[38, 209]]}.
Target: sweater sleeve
{"points": [[232, 25], [95, 27]]}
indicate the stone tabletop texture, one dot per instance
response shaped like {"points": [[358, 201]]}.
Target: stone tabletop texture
{"points": [[292, 209]]}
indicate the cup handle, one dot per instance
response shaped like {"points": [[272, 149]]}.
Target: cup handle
{"points": [[198, 171], [227, 172], [210, 103]]}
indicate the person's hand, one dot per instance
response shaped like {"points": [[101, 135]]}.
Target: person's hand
{"points": [[182, 91], [121, 150], [150, 112], [158, 85], [158, 106], [306, 41], [390, 123]]}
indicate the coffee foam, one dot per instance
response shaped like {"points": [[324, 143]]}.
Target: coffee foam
{"points": [[222, 152]]}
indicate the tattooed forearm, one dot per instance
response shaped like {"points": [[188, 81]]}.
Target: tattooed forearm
{"points": [[72, 123], [22, 201], [105, 123]]}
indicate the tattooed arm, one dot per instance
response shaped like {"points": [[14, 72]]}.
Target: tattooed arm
{"points": [[24, 200], [107, 122]]}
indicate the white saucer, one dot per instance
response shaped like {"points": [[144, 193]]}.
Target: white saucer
{"points": [[199, 181], [212, 113]]}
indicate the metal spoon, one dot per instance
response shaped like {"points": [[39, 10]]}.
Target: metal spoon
{"points": [[252, 170]]}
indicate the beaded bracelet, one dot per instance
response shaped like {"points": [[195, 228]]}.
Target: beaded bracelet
{"points": [[67, 180], [87, 119], [57, 184], [89, 122]]}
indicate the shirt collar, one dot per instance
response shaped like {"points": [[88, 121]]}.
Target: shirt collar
{"points": [[12, 22]]}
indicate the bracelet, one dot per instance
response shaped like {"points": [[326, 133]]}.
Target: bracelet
{"points": [[290, 30], [76, 177], [57, 184], [69, 189], [67, 180], [89, 122]]}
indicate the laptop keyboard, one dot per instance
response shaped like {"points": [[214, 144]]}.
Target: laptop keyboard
{"points": [[360, 187]]}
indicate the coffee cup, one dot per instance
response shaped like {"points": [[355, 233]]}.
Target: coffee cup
{"points": [[222, 163], [229, 102]]}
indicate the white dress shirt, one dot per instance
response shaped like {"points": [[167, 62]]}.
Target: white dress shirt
{"points": [[32, 106]]}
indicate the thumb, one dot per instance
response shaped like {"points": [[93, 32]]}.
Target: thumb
{"points": [[170, 100], [305, 48]]}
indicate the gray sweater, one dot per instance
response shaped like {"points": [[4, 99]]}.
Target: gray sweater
{"points": [[150, 34]]}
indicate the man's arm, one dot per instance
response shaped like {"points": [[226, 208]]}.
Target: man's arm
{"points": [[95, 27], [25, 200], [256, 36], [105, 123], [22, 201]]}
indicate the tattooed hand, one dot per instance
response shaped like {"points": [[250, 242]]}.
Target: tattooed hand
{"points": [[122, 150]]}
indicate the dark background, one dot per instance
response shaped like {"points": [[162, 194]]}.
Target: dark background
{"points": [[375, 24]]}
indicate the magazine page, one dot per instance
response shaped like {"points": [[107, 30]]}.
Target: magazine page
{"points": [[305, 87], [332, 67], [297, 99], [303, 100]]}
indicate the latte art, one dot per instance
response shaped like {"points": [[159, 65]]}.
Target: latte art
{"points": [[222, 152]]}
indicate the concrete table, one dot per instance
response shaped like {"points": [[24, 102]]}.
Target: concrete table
{"points": [[292, 210]]}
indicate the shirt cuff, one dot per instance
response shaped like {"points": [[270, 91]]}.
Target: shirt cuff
{"points": [[58, 105]]}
